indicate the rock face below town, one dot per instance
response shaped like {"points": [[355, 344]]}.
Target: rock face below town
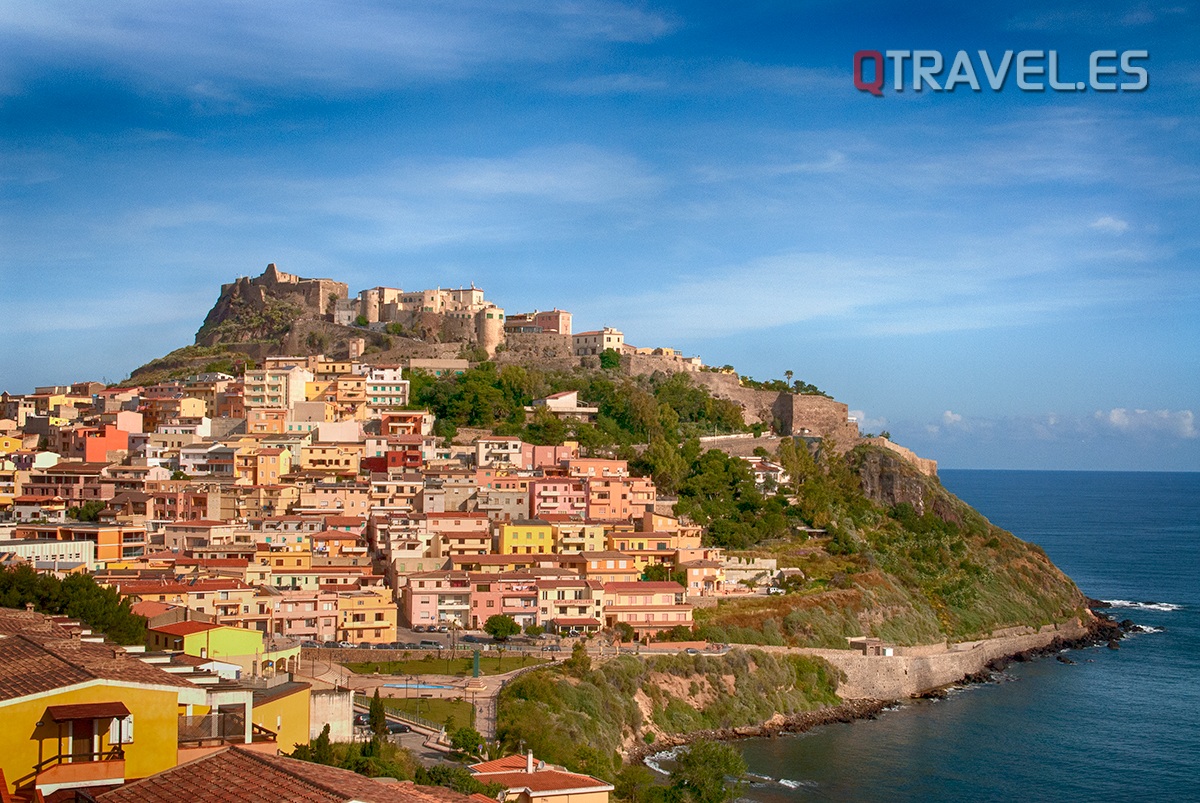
{"points": [[266, 307], [889, 479]]}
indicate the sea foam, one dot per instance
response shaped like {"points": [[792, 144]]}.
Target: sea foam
{"points": [[1146, 606]]}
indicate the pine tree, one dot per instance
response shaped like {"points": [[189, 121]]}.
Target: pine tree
{"points": [[377, 718]]}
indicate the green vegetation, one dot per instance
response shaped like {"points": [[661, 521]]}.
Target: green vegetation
{"points": [[888, 572], [435, 665], [632, 410], [701, 773], [380, 758], [433, 709], [500, 626], [88, 511], [581, 717], [77, 596], [782, 385], [610, 360], [249, 322], [221, 358], [377, 716]]}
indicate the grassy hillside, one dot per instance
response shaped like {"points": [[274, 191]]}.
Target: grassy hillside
{"points": [[914, 564], [581, 717]]}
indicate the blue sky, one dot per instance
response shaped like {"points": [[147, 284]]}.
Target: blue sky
{"points": [[1001, 279]]}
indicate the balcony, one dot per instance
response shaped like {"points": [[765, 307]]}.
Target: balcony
{"points": [[222, 728], [80, 769]]}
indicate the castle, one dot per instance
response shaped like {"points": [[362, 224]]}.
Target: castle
{"points": [[461, 314]]}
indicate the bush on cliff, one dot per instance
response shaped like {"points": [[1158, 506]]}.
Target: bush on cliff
{"points": [[583, 723]]}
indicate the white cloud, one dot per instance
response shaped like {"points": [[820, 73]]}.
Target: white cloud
{"points": [[1133, 424], [1173, 423], [329, 46], [868, 424], [1110, 224]]}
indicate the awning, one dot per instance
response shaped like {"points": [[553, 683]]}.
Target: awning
{"points": [[561, 622], [67, 713]]}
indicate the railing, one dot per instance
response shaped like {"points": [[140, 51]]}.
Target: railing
{"points": [[114, 753], [218, 729]]}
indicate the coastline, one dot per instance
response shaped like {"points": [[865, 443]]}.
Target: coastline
{"points": [[987, 657]]}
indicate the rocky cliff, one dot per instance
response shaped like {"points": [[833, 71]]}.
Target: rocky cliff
{"points": [[267, 307]]}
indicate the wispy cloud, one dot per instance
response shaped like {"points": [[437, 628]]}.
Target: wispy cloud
{"points": [[1118, 422], [1110, 224], [330, 46]]}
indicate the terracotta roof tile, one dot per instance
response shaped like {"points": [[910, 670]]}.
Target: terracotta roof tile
{"points": [[237, 775]]}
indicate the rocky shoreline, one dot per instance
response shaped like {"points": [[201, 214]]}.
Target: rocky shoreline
{"points": [[1101, 630], [779, 724]]}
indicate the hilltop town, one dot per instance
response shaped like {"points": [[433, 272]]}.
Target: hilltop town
{"points": [[338, 479]]}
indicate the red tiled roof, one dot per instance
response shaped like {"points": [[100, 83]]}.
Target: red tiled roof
{"points": [[150, 609], [185, 628], [506, 764], [39, 655], [649, 587], [549, 782], [237, 775]]}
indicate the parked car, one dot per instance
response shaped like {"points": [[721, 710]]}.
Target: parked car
{"points": [[430, 645], [344, 645], [329, 644], [398, 727], [418, 628], [365, 645], [441, 629], [310, 644], [552, 648], [362, 719], [692, 651]]}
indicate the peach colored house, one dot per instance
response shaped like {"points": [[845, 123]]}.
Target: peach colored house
{"points": [[557, 496], [510, 593], [648, 608]]}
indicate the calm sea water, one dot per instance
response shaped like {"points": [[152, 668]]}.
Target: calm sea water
{"points": [[1121, 725]]}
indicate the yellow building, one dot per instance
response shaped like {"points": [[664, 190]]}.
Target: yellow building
{"points": [[532, 537], [71, 709], [366, 614], [283, 708], [579, 536], [234, 645]]}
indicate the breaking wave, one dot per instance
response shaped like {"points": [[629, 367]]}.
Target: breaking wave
{"points": [[1146, 606]]}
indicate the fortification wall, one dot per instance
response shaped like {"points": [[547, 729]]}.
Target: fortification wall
{"points": [[897, 677], [922, 464], [637, 364]]}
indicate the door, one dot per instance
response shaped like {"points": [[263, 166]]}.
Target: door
{"points": [[83, 740]]}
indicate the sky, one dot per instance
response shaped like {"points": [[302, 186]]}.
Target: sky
{"points": [[999, 278]]}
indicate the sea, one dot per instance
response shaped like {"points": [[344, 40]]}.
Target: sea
{"points": [[1114, 725]]}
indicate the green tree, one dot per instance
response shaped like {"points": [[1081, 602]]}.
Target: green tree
{"points": [[703, 771], [78, 597], [88, 511], [580, 662], [179, 475], [610, 359], [377, 716], [361, 321], [635, 784], [500, 626], [321, 749], [466, 740]]}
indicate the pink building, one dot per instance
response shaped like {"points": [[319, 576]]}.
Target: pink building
{"points": [[648, 608], [510, 593], [441, 597], [560, 496]]}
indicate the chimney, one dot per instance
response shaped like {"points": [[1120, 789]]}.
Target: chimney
{"points": [[29, 607], [529, 761]]}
